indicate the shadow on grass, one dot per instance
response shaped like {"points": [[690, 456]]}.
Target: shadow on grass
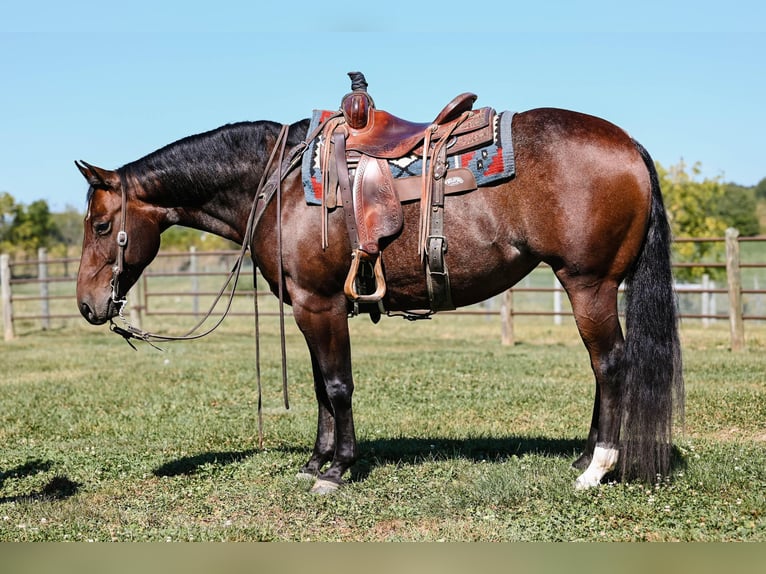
{"points": [[416, 450], [403, 450], [380, 452], [29, 468], [58, 488], [189, 465]]}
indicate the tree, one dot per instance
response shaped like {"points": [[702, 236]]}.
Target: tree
{"points": [[26, 229], [738, 207], [760, 189], [7, 207], [70, 230], [693, 209]]}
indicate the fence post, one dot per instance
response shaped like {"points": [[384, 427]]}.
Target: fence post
{"points": [[42, 277], [705, 300], [506, 318], [136, 309], [5, 295], [194, 279], [734, 279]]}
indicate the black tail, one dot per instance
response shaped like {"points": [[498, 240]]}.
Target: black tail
{"points": [[653, 386]]}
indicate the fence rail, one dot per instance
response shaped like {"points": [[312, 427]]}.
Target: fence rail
{"points": [[183, 283]]}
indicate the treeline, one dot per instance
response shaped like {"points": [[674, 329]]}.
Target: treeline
{"points": [[698, 207], [706, 207], [26, 228]]}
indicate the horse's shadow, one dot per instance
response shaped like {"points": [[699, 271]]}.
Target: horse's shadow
{"points": [[381, 452], [189, 465], [58, 488]]}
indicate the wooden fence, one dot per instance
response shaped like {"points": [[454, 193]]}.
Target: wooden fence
{"points": [[38, 292]]}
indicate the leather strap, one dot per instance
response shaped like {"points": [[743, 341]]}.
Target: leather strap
{"points": [[433, 243], [439, 291], [280, 260], [458, 180], [339, 142]]}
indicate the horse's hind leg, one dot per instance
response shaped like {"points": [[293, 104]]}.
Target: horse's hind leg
{"points": [[584, 459], [595, 309]]}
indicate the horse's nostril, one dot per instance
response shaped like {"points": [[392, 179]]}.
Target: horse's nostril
{"points": [[85, 310]]}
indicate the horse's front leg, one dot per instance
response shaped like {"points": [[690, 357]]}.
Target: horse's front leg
{"points": [[324, 446], [325, 328]]}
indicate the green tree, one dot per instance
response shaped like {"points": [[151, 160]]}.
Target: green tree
{"points": [[70, 229], [760, 189], [738, 207], [34, 227], [693, 208], [27, 228], [7, 207]]}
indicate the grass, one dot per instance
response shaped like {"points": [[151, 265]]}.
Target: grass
{"points": [[461, 439]]}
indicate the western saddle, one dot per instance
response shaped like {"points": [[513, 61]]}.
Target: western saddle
{"points": [[358, 144]]}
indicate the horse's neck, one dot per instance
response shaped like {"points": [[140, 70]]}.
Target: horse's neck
{"points": [[221, 208], [210, 184]]}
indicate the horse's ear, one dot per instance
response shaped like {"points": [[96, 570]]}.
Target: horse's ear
{"points": [[98, 177]]}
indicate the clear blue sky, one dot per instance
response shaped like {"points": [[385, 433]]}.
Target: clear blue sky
{"points": [[86, 80]]}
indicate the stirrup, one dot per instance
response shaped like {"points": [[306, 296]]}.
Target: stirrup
{"points": [[350, 286]]}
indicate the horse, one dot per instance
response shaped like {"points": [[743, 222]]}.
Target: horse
{"points": [[585, 200]]}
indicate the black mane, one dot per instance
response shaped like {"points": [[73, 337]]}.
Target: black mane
{"points": [[192, 168]]}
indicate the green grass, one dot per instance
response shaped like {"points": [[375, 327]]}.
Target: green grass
{"points": [[460, 438]]}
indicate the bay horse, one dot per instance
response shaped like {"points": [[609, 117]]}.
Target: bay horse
{"points": [[585, 200]]}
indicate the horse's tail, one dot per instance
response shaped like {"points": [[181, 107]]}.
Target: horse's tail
{"points": [[653, 387]]}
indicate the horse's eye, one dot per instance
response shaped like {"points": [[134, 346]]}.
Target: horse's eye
{"points": [[102, 227]]}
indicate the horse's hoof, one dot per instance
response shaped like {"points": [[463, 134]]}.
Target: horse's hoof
{"points": [[324, 487], [584, 483], [604, 460]]}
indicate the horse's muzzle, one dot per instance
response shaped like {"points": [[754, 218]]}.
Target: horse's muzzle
{"points": [[95, 318]]}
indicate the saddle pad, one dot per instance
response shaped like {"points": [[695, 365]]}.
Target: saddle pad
{"points": [[491, 163]]}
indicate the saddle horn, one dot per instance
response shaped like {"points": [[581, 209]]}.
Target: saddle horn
{"points": [[357, 104]]}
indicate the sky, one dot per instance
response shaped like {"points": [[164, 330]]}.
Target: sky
{"points": [[110, 82]]}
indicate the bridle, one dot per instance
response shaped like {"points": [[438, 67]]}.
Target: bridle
{"points": [[122, 243]]}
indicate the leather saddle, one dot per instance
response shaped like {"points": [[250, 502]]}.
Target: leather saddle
{"points": [[359, 144]]}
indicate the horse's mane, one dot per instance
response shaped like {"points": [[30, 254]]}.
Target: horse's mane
{"points": [[192, 168]]}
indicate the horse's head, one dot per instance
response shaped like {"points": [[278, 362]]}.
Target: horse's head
{"points": [[122, 236]]}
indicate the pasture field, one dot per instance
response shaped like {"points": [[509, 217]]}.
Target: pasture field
{"points": [[461, 439]]}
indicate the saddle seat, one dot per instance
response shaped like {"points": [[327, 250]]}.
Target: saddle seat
{"points": [[387, 136]]}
